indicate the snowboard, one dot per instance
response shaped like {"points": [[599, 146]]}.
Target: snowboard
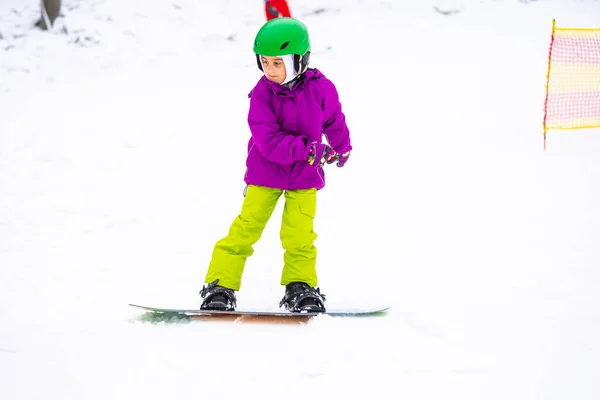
{"points": [[174, 314]]}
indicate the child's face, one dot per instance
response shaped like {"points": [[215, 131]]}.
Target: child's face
{"points": [[274, 68]]}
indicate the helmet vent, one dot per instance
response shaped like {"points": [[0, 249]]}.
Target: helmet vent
{"points": [[283, 46]]}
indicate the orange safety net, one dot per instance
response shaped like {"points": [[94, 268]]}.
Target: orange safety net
{"points": [[573, 81]]}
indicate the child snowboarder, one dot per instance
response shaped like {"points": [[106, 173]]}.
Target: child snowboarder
{"points": [[291, 107]]}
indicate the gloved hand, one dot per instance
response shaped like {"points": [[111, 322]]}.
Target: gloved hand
{"points": [[320, 154], [342, 159]]}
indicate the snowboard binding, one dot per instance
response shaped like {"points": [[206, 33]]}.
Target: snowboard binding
{"points": [[300, 297], [217, 297]]}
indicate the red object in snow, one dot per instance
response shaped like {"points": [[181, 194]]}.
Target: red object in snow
{"points": [[276, 9]]}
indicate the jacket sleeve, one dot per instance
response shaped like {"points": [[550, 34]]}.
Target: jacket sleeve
{"points": [[334, 126], [275, 145]]}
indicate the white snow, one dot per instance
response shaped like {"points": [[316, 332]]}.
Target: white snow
{"points": [[122, 147]]}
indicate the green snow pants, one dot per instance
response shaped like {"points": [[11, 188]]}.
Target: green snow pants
{"points": [[297, 237]]}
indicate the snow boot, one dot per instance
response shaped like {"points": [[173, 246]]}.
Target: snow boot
{"points": [[217, 298], [299, 297]]}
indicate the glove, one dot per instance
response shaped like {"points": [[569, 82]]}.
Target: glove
{"points": [[342, 159], [320, 154]]}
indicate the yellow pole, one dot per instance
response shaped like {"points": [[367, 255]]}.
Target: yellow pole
{"points": [[548, 79]]}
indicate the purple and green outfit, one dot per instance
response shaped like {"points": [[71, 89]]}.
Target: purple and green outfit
{"points": [[285, 123]]}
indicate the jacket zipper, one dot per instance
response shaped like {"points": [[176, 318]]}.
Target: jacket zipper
{"points": [[321, 177]]}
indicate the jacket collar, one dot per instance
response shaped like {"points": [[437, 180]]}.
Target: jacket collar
{"points": [[282, 90]]}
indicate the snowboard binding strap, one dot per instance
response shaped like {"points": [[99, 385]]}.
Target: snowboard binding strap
{"points": [[217, 297], [303, 298]]}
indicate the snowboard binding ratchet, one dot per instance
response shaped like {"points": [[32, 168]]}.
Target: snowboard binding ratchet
{"points": [[300, 297], [217, 297]]}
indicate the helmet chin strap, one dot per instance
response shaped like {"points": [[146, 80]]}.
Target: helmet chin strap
{"points": [[290, 69]]}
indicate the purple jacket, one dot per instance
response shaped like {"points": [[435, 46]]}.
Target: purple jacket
{"points": [[284, 122]]}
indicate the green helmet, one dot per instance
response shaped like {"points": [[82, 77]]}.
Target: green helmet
{"points": [[282, 36]]}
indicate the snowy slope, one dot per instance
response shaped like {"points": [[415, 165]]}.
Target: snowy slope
{"points": [[114, 188]]}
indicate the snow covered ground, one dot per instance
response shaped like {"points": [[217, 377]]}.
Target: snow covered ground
{"points": [[122, 145]]}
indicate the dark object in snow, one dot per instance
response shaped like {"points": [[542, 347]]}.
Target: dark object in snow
{"points": [[50, 11], [445, 12]]}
